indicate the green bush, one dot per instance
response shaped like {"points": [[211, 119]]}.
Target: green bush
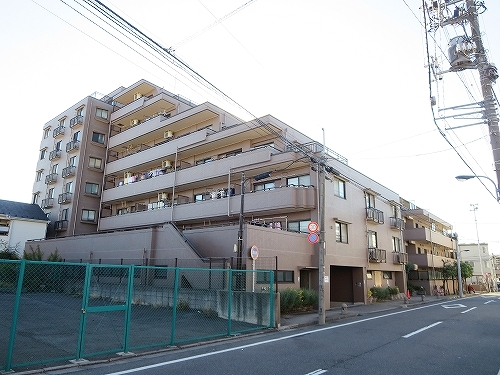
{"points": [[297, 299], [380, 293], [393, 291]]}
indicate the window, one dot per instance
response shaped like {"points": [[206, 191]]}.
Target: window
{"points": [[298, 226], [50, 193], [76, 136], [54, 168], [203, 161], [198, 197], [387, 275], [72, 161], [58, 146], [230, 153], [62, 121], [281, 277], [79, 111], [88, 215], [395, 211], [338, 187], [341, 232], [264, 186], [98, 137], [46, 132], [299, 180], [95, 163], [64, 214], [369, 275], [39, 175], [91, 188], [372, 239], [433, 227], [370, 200], [35, 198], [68, 188], [43, 153], [396, 244], [101, 113]]}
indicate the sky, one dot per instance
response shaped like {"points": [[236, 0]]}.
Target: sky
{"points": [[353, 71]]}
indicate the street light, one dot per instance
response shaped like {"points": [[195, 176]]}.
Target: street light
{"points": [[468, 177]]}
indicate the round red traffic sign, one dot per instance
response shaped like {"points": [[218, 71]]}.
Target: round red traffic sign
{"points": [[312, 226], [313, 237]]}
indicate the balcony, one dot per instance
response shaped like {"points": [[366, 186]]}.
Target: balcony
{"points": [[376, 255], [429, 236], [51, 178], [54, 154], [4, 230], [76, 121], [47, 203], [73, 145], [64, 198], [58, 131], [372, 214], [399, 258], [68, 171], [428, 260], [397, 223], [61, 225]]}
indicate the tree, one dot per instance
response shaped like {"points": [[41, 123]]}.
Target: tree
{"points": [[34, 255], [467, 270], [8, 252]]}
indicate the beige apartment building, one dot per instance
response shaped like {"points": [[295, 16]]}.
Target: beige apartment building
{"points": [[430, 243], [144, 176]]}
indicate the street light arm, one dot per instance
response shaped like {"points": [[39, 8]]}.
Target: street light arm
{"points": [[468, 177]]}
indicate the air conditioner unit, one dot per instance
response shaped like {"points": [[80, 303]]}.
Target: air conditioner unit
{"points": [[134, 122], [166, 164], [168, 134], [137, 95], [162, 196]]}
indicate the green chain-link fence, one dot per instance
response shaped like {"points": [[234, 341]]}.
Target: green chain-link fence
{"points": [[55, 312]]}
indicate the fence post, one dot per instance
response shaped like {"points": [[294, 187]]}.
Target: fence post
{"points": [[271, 299], [128, 312], [229, 300], [13, 326], [174, 307], [83, 319]]}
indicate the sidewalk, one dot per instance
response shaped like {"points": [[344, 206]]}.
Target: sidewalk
{"points": [[289, 321]]}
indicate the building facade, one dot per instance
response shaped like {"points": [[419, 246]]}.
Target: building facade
{"points": [[430, 244], [482, 262], [173, 179], [20, 222]]}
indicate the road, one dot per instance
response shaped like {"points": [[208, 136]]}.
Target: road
{"points": [[451, 337]]}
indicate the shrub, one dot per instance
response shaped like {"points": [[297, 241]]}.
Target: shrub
{"points": [[393, 291], [297, 299], [380, 293], [182, 305]]}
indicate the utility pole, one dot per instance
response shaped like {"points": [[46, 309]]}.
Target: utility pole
{"points": [[487, 77], [474, 209]]}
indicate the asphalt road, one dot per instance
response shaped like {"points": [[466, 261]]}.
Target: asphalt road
{"points": [[450, 337]]}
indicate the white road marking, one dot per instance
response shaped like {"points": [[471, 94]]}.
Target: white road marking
{"points": [[454, 306], [421, 329], [466, 311], [490, 301], [185, 359], [317, 372]]}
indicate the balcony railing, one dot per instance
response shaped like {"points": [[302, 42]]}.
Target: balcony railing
{"points": [[399, 258], [58, 131], [68, 171], [47, 203], [75, 121], [377, 216], [73, 145], [397, 223], [376, 255], [54, 154], [51, 178], [64, 198], [61, 225]]}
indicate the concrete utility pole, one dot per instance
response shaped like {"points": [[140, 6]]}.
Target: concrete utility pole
{"points": [[487, 76]]}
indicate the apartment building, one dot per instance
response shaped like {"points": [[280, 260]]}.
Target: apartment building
{"points": [[430, 243], [175, 177]]}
